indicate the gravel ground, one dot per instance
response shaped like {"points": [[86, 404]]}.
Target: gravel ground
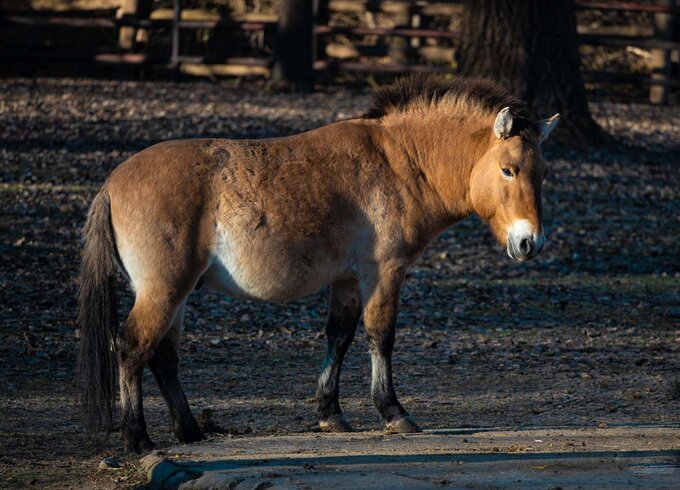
{"points": [[586, 335]]}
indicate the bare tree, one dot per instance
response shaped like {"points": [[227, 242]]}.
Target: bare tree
{"points": [[532, 48]]}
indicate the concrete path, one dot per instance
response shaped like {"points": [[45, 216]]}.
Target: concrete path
{"points": [[630, 457]]}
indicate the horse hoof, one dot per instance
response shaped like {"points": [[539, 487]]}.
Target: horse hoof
{"points": [[402, 425], [187, 437], [142, 445], [335, 423]]}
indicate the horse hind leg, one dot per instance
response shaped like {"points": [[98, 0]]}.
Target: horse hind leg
{"points": [[136, 344], [343, 317], [164, 365]]}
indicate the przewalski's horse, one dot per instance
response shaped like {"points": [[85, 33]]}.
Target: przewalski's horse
{"points": [[350, 205]]}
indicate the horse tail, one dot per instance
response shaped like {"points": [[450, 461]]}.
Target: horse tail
{"points": [[97, 317]]}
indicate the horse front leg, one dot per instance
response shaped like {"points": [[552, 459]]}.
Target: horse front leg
{"points": [[343, 317], [380, 314]]}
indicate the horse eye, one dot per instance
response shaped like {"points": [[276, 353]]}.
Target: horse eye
{"points": [[507, 172]]}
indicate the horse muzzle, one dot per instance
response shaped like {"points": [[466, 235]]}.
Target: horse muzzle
{"points": [[524, 245]]}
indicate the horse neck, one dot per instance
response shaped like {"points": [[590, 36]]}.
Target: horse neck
{"points": [[442, 150]]}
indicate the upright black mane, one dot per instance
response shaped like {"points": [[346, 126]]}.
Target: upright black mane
{"points": [[431, 89]]}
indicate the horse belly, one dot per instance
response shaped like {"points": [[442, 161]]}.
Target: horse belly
{"points": [[263, 272]]}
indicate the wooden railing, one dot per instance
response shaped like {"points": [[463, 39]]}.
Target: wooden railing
{"points": [[662, 41], [125, 55], [352, 54]]}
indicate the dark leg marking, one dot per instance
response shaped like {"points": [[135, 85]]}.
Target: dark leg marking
{"points": [[164, 365], [131, 362], [380, 315], [396, 418], [343, 317]]}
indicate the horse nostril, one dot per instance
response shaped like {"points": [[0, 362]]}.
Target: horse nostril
{"points": [[526, 246]]}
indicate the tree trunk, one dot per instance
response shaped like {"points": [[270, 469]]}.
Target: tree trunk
{"points": [[293, 50], [531, 47]]}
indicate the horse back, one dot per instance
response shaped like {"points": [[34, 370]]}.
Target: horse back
{"points": [[269, 219]]}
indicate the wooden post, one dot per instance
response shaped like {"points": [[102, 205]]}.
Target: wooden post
{"points": [[144, 8], [126, 35], [398, 51], [416, 23], [177, 15], [293, 54], [664, 24], [319, 43]]}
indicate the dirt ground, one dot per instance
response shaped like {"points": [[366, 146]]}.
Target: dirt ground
{"points": [[586, 335], [530, 459]]}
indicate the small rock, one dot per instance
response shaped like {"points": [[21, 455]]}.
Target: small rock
{"points": [[109, 463]]}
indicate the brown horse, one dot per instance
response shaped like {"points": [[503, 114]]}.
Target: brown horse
{"points": [[350, 205]]}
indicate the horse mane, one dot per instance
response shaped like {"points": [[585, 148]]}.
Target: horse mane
{"points": [[427, 90]]}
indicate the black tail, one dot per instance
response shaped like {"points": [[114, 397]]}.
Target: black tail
{"points": [[97, 317]]}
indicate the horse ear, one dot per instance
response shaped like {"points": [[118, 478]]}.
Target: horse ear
{"points": [[546, 126], [503, 124]]}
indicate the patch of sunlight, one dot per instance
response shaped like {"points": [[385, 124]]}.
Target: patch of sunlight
{"points": [[21, 186], [648, 281]]}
